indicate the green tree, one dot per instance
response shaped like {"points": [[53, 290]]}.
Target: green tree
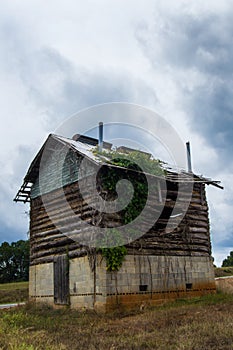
{"points": [[228, 261], [14, 261]]}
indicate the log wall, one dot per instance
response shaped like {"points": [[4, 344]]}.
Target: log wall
{"points": [[190, 238]]}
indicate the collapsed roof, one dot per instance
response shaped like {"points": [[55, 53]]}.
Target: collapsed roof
{"points": [[84, 145]]}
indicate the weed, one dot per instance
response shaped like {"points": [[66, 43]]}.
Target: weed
{"points": [[203, 323]]}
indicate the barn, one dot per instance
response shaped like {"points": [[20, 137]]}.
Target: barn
{"points": [[68, 222]]}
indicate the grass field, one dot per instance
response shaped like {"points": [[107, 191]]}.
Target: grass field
{"points": [[223, 271], [204, 323], [13, 292]]}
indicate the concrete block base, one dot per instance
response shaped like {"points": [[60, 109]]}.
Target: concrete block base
{"points": [[141, 281]]}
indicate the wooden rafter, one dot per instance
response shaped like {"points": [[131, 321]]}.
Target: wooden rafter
{"points": [[23, 194]]}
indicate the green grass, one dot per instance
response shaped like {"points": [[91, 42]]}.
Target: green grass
{"points": [[223, 271], [14, 285], [13, 292], [203, 323]]}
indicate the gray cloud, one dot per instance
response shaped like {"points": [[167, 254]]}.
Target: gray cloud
{"points": [[212, 115], [195, 50], [56, 87], [201, 44], [61, 88]]}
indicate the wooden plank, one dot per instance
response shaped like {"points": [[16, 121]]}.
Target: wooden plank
{"points": [[61, 280]]}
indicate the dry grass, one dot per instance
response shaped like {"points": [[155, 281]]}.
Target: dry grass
{"points": [[198, 324], [13, 292]]}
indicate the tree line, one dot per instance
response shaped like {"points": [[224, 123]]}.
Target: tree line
{"points": [[228, 261], [14, 261]]}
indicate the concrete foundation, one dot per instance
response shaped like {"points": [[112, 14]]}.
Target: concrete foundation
{"points": [[141, 280]]}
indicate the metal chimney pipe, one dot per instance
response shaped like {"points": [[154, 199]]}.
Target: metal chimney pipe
{"points": [[100, 145], [189, 157]]}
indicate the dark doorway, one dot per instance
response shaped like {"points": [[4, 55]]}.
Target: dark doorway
{"points": [[61, 280]]}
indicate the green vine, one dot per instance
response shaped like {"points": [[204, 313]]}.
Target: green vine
{"points": [[114, 257], [140, 163], [108, 177], [115, 254]]}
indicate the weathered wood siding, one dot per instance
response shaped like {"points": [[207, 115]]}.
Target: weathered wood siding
{"points": [[190, 238]]}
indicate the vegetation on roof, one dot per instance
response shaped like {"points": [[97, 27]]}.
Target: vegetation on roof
{"points": [[138, 161], [135, 160]]}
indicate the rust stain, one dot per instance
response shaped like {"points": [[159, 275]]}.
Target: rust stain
{"points": [[129, 301]]}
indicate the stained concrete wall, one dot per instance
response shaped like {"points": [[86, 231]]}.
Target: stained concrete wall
{"points": [[154, 279], [161, 273], [141, 279], [82, 286], [41, 287]]}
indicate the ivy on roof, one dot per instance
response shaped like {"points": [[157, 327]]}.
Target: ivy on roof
{"points": [[135, 160]]}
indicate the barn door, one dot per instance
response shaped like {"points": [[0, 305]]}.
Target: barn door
{"points": [[61, 280]]}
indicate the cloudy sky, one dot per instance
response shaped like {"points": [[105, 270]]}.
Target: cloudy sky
{"points": [[175, 57]]}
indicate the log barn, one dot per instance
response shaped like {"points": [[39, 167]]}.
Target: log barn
{"points": [[168, 261]]}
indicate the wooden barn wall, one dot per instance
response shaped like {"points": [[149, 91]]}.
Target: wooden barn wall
{"points": [[190, 238]]}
